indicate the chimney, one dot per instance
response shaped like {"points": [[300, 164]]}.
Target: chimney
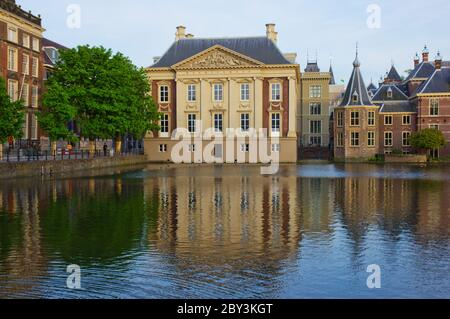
{"points": [[416, 60], [271, 33], [189, 36], [425, 54], [181, 33], [438, 61]]}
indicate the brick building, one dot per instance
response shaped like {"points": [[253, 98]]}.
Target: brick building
{"points": [[21, 63]]}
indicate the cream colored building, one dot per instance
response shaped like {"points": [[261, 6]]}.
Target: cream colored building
{"points": [[238, 83]]}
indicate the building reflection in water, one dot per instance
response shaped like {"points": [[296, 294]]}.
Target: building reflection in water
{"points": [[219, 221]]}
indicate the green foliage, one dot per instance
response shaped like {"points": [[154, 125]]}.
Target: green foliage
{"points": [[12, 115], [428, 139], [104, 93]]}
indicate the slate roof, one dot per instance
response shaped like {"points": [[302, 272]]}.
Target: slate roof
{"points": [[393, 75], [261, 49], [423, 70], [382, 93], [312, 67], [50, 43], [397, 106], [332, 80], [439, 82], [357, 87]]}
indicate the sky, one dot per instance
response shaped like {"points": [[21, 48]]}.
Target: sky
{"points": [[387, 31]]}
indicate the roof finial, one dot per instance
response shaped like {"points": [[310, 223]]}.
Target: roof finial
{"points": [[317, 55], [356, 63]]}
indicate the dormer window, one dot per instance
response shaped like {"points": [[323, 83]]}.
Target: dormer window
{"points": [[389, 93], [355, 97]]}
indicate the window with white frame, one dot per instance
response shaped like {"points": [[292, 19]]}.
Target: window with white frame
{"points": [[164, 124], [192, 93], [25, 127], [245, 148], [36, 45], [340, 139], [164, 94], [340, 119], [12, 59], [191, 148], [218, 92], [245, 92], [434, 107], [315, 91], [12, 34], [434, 126], [354, 119], [388, 139], [218, 122], [163, 148], [26, 64], [276, 148], [371, 139], [26, 41], [315, 140], [406, 120], [34, 96], [34, 127], [388, 120], [276, 123], [315, 127], [406, 137], [354, 139], [25, 94], [371, 118], [245, 122], [35, 67], [13, 90], [276, 91], [191, 123], [315, 108]]}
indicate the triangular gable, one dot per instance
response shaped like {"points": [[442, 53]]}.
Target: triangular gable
{"points": [[217, 57]]}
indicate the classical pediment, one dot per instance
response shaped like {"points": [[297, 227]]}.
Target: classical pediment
{"points": [[217, 57]]}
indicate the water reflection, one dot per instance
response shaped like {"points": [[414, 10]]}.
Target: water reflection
{"points": [[225, 232]]}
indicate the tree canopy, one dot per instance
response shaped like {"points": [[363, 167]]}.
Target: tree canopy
{"points": [[428, 139], [104, 93], [12, 115]]}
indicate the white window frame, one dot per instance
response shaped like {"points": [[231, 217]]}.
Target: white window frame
{"points": [[15, 34], [434, 107], [407, 139], [34, 127], [276, 92], [315, 106], [191, 122], [371, 140], [192, 93], [355, 120], [340, 119], [12, 59], [218, 92], [218, 122], [355, 137], [275, 124], [371, 118], [276, 148], [165, 125], [245, 92], [386, 139], [408, 122], [340, 139], [34, 96], [245, 122], [26, 64], [35, 67], [26, 96], [13, 89], [315, 91], [36, 44], [26, 40], [245, 148], [164, 95], [163, 148], [311, 126], [386, 117]]}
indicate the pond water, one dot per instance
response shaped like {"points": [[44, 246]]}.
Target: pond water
{"points": [[310, 231]]}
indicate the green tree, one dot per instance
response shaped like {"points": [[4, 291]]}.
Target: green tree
{"points": [[56, 113], [12, 116], [428, 139], [109, 94]]}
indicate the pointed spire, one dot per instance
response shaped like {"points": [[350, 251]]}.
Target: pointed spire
{"points": [[356, 63], [332, 80]]}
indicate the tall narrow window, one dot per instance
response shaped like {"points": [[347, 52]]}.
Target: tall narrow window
{"points": [[36, 45], [191, 123], [13, 90], [315, 108], [25, 64], [434, 107], [371, 139], [245, 122], [218, 122], [388, 140], [192, 93], [164, 94], [26, 41], [340, 119], [315, 127], [371, 118], [35, 67], [25, 94], [406, 136], [34, 127], [354, 119], [218, 92], [12, 59], [12, 34], [276, 92], [406, 120], [388, 120], [276, 124], [164, 125], [25, 127], [245, 92], [340, 139], [34, 96]]}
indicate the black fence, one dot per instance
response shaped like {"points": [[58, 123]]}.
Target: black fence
{"points": [[29, 155]]}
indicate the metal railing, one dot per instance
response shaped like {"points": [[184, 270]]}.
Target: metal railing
{"points": [[29, 155]]}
